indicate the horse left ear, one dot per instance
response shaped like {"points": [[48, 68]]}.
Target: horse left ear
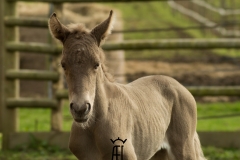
{"points": [[57, 29], [102, 30]]}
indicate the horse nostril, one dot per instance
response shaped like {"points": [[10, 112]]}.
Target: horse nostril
{"points": [[80, 111], [71, 105], [88, 108]]}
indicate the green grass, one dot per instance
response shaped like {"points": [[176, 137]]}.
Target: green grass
{"points": [[41, 154], [34, 119], [156, 15], [151, 15], [39, 119], [230, 4], [40, 150], [211, 153], [219, 124]]}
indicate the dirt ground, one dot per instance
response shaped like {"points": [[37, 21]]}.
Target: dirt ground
{"points": [[195, 73]]}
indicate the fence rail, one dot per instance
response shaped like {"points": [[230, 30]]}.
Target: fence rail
{"points": [[175, 44], [195, 90], [34, 47], [31, 103], [214, 90], [25, 22], [32, 75], [224, 43], [43, 23]]}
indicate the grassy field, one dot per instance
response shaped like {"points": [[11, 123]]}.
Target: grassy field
{"points": [[159, 15], [218, 109], [156, 15]]}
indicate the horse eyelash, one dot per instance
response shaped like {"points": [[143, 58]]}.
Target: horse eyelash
{"points": [[96, 65]]}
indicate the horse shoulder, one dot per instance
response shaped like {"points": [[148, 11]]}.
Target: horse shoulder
{"points": [[168, 85], [179, 100], [156, 86]]}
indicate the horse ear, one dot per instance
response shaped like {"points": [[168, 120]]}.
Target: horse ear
{"points": [[57, 29], [102, 30]]}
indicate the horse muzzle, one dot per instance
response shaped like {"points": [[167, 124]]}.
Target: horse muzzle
{"points": [[80, 113]]}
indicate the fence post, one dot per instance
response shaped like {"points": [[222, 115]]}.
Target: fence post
{"points": [[9, 60], [1, 60], [56, 114], [115, 60]]}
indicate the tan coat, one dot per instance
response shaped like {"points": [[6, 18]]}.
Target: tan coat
{"points": [[155, 114]]}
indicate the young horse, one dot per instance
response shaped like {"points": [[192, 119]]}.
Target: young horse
{"points": [[155, 115]]}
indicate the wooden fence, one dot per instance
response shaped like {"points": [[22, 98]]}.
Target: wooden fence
{"points": [[10, 74]]}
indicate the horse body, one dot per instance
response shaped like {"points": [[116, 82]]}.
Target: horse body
{"points": [[141, 119], [164, 120], [155, 114], [150, 112]]}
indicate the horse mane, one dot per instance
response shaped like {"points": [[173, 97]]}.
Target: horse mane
{"points": [[108, 75], [77, 28]]}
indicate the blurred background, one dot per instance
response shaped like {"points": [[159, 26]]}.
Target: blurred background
{"points": [[135, 21]]}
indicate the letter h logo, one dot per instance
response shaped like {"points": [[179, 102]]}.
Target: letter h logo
{"points": [[116, 148]]}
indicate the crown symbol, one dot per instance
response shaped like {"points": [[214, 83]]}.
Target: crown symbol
{"points": [[118, 139]]}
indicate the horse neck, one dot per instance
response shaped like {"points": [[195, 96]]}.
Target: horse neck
{"points": [[101, 94]]}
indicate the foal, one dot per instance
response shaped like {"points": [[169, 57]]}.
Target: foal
{"points": [[154, 116]]}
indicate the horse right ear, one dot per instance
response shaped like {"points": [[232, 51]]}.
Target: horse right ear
{"points": [[102, 30], [57, 29]]}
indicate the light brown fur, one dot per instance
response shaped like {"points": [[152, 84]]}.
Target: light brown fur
{"points": [[156, 114]]}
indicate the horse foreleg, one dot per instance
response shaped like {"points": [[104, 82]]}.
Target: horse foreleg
{"points": [[160, 155], [180, 135]]}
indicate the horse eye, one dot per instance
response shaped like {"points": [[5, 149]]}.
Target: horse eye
{"points": [[63, 66], [96, 66]]}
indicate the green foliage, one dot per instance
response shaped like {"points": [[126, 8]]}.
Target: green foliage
{"points": [[38, 145], [213, 153], [36, 149], [36, 155]]}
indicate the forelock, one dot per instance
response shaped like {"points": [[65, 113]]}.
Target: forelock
{"points": [[78, 28]]}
